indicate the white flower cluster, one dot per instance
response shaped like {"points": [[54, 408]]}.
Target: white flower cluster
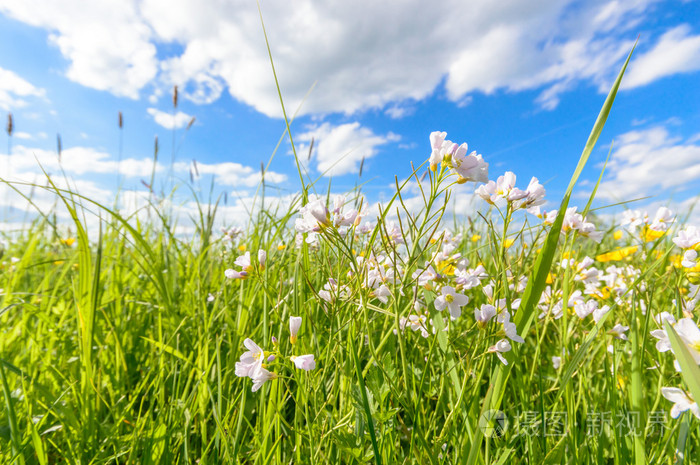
{"points": [[573, 221], [254, 363], [504, 189], [470, 167]]}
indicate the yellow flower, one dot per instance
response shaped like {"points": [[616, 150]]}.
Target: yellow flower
{"points": [[242, 247], [550, 278], [693, 275], [281, 246], [508, 242], [70, 241], [651, 235], [617, 235], [475, 237], [618, 254], [621, 381], [446, 267]]}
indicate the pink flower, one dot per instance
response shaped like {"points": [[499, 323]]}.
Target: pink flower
{"points": [[470, 167], [304, 362]]}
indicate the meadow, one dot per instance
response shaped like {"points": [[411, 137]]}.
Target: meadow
{"points": [[334, 331]]}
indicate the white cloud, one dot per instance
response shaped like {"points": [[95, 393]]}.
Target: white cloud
{"points": [[359, 59], [25, 163], [92, 173], [107, 42], [232, 174], [21, 135], [399, 111], [677, 51], [339, 149], [14, 89], [650, 162], [74, 160], [168, 120]]}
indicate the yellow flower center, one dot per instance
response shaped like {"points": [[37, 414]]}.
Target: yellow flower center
{"points": [[449, 298]]}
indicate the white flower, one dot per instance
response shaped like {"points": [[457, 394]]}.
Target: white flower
{"points": [[260, 377], [535, 195], [572, 220], [304, 362], [251, 361], [262, 258], [556, 362], [416, 322], [382, 293], [499, 348], [690, 334], [619, 331], [690, 258], [588, 230], [426, 276], [688, 237], [511, 332], [294, 325], [633, 219], [233, 274], [503, 188], [470, 278], [662, 220], [681, 402], [665, 316], [484, 315], [470, 167], [451, 300], [331, 291], [583, 309], [314, 215], [437, 140], [600, 312], [487, 192], [244, 262], [232, 233], [586, 273], [509, 327]]}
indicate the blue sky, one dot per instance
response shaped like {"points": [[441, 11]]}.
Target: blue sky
{"points": [[520, 81]]}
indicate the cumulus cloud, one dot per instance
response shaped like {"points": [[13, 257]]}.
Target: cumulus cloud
{"points": [[340, 149], [677, 51], [14, 90], [650, 161], [169, 120], [107, 42], [358, 59]]}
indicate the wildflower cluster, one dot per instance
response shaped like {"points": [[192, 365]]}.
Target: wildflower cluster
{"points": [[410, 273], [255, 362]]}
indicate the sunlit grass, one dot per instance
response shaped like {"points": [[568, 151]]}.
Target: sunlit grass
{"points": [[331, 331]]}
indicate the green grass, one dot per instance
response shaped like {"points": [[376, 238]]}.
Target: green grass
{"points": [[121, 347]]}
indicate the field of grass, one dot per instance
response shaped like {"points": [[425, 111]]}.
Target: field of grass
{"points": [[333, 332]]}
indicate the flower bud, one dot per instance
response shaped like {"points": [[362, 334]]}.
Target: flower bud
{"points": [[294, 325]]}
